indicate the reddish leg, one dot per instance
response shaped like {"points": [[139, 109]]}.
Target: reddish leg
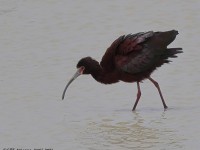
{"points": [[138, 96], [158, 87]]}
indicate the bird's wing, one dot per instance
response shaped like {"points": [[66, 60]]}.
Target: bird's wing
{"points": [[107, 62], [123, 52], [138, 62], [132, 42]]}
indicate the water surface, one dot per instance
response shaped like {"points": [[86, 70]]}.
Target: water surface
{"points": [[40, 44]]}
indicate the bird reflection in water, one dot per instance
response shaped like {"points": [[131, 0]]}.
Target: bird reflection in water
{"points": [[131, 133]]}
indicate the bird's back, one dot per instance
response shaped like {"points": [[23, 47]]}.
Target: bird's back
{"points": [[140, 53]]}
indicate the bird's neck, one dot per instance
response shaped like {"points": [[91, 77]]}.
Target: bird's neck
{"points": [[103, 76]]}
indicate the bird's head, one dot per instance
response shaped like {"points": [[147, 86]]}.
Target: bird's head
{"points": [[83, 67]]}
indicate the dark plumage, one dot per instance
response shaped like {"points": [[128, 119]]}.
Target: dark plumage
{"points": [[131, 58]]}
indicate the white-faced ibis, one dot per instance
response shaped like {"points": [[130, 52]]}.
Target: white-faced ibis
{"points": [[131, 58]]}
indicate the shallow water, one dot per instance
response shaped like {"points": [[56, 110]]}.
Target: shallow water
{"points": [[41, 42]]}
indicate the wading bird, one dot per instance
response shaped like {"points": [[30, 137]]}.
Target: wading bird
{"points": [[131, 58]]}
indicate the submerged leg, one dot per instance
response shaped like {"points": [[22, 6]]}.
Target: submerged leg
{"points": [[138, 96], [158, 87]]}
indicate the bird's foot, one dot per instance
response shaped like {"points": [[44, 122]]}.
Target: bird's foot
{"points": [[133, 110]]}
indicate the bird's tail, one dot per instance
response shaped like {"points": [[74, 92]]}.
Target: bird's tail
{"points": [[171, 53], [161, 40], [167, 37]]}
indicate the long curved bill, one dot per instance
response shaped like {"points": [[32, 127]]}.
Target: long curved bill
{"points": [[78, 73]]}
